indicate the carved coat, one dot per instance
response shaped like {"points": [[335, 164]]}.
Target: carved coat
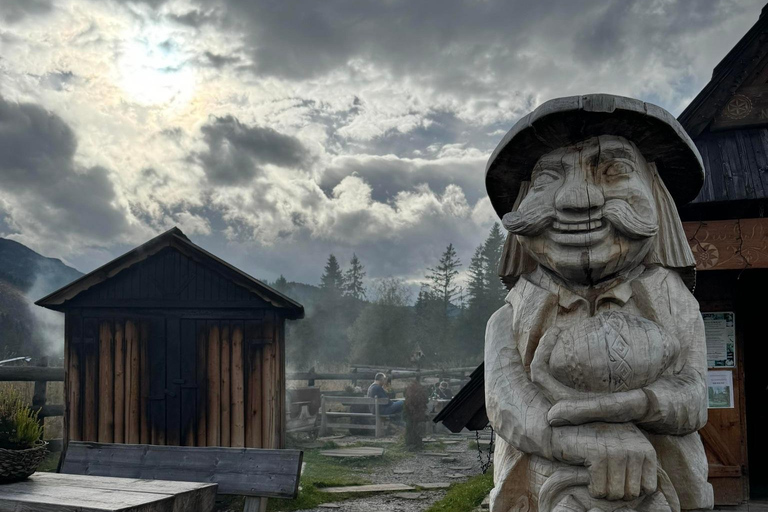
{"points": [[517, 408]]}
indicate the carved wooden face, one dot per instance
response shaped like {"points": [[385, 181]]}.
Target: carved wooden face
{"points": [[590, 211]]}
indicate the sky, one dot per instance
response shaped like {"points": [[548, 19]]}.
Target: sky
{"points": [[276, 132]]}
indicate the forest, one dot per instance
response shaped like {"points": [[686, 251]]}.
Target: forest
{"points": [[380, 322]]}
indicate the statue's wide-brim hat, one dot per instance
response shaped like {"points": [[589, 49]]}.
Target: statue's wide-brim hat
{"points": [[565, 121]]}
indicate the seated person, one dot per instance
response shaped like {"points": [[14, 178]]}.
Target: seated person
{"points": [[444, 392], [376, 390]]}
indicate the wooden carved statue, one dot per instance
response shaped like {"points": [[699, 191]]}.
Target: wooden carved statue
{"points": [[595, 367]]}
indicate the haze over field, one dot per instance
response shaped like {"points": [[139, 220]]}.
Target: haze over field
{"points": [[275, 133]]}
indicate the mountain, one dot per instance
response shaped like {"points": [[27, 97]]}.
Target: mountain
{"points": [[25, 276]]}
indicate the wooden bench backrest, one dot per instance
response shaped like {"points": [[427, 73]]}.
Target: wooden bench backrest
{"points": [[354, 400], [239, 471]]}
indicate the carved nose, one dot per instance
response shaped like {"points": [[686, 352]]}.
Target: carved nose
{"points": [[579, 196]]}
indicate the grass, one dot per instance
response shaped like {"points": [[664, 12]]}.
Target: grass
{"points": [[322, 471], [465, 496]]}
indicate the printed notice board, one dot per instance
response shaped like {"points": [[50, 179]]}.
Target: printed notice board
{"points": [[720, 389], [720, 328]]}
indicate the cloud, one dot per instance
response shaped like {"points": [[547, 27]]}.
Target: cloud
{"points": [[47, 197], [237, 151], [14, 10]]}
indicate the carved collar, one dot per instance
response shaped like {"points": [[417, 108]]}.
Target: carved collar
{"points": [[617, 290]]}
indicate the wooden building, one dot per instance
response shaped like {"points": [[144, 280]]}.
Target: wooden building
{"points": [[168, 344], [728, 233]]}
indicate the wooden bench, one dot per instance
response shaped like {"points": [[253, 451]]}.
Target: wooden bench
{"points": [[328, 416], [303, 406], [251, 472]]}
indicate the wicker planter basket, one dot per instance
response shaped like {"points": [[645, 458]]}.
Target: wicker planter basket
{"points": [[17, 465]]}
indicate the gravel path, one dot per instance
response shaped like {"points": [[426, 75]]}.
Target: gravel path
{"points": [[417, 469]]}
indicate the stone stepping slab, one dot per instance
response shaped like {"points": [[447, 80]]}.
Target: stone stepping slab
{"points": [[432, 454], [361, 451], [433, 485], [456, 475], [367, 488], [328, 505], [402, 471], [409, 495], [330, 438]]}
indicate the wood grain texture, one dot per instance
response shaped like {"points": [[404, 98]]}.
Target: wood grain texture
{"points": [[119, 410], [729, 244], [106, 384], [214, 385], [238, 400], [133, 386], [225, 386], [239, 471], [51, 492]]}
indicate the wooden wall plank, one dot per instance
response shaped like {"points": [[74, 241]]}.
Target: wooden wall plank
{"points": [[172, 380], [157, 354], [225, 387], [188, 365], [253, 420], [74, 398], [106, 383], [202, 383], [119, 412], [133, 387], [238, 405], [214, 384], [90, 381], [146, 372], [268, 378]]}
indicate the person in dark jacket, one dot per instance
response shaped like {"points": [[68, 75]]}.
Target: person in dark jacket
{"points": [[376, 390]]}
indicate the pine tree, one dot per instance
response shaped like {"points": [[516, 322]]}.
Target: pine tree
{"points": [[281, 284], [441, 280], [332, 280], [353, 279], [492, 251], [477, 287]]}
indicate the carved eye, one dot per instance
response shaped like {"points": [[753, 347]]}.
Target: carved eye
{"points": [[544, 178], [618, 169]]}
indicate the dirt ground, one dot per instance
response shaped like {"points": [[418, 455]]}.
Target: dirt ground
{"points": [[446, 458]]}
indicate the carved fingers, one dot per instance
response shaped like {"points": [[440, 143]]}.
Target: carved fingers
{"points": [[621, 461], [620, 407]]}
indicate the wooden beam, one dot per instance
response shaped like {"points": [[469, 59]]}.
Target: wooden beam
{"points": [[214, 385], [238, 405], [225, 387], [729, 244], [119, 382]]}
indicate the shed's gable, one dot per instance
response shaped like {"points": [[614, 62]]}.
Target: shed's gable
{"points": [[168, 277]]}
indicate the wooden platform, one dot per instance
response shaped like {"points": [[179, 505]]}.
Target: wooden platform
{"points": [[52, 492], [362, 451]]}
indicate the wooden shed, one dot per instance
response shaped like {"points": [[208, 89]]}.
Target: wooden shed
{"points": [[168, 344]]}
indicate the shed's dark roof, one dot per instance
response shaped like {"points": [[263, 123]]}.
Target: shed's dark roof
{"points": [[738, 65], [173, 238], [467, 408]]}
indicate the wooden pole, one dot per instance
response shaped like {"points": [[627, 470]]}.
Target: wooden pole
{"points": [[144, 378], [132, 430], [214, 385], [225, 386], [238, 406], [40, 392], [119, 383], [106, 385], [202, 384]]}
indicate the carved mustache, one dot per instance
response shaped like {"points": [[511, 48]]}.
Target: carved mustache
{"points": [[535, 219]]}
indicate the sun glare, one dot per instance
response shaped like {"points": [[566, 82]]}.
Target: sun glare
{"points": [[153, 72]]}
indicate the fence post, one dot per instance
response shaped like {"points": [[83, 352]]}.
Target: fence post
{"points": [[311, 382], [38, 398], [323, 417]]}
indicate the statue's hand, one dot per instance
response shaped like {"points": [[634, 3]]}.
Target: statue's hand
{"points": [[621, 461], [622, 407]]}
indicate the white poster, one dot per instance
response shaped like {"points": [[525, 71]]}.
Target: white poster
{"points": [[720, 389], [720, 328]]}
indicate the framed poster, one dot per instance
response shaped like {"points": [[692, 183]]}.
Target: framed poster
{"points": [[720, 389], [720, 329]]}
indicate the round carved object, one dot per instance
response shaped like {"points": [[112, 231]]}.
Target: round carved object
{"points": [[738, 107], [612, 352]]}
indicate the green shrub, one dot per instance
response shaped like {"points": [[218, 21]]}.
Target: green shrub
{"points": [[20, 427]]}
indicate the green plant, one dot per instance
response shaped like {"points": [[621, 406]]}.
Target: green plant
{"points": [[20, 427], [466, 496]]}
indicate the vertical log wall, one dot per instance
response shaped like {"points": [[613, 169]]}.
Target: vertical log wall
{"points": [[178, 381]]}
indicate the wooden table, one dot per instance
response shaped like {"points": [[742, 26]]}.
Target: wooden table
{"points": [[53, 492]]}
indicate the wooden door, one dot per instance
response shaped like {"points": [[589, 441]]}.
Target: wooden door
{"points": [[724, 435]]}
